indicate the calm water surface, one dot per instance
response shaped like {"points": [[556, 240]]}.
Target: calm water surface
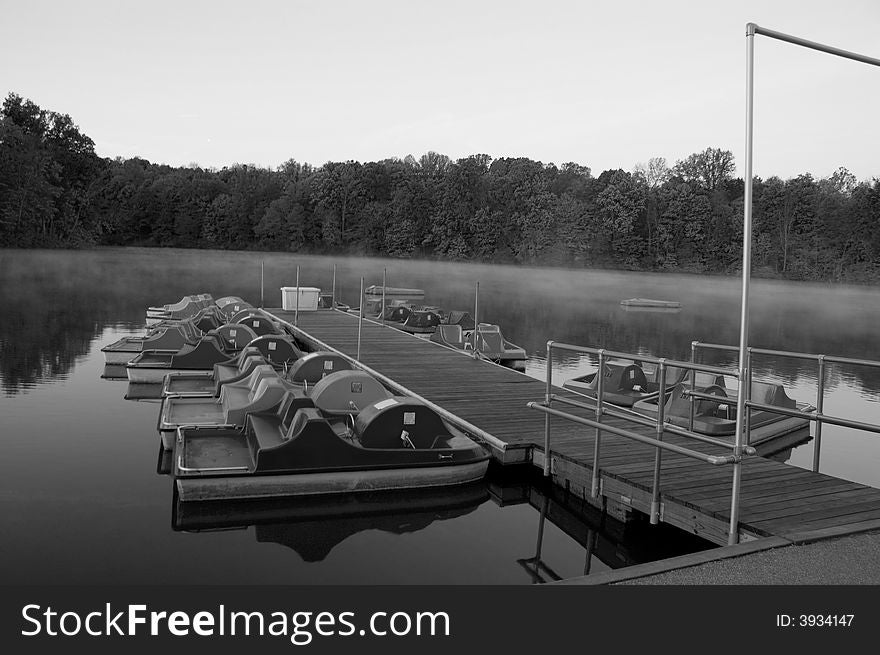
{"points": [[84, 501]]}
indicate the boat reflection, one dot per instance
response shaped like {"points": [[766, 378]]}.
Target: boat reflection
{"points": [[313, 526]]}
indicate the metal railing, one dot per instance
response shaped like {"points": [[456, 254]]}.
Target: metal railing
{"points": [[818, 416], [660, 426]]}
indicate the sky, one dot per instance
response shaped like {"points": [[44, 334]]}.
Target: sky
{"points": [[603, 84]]}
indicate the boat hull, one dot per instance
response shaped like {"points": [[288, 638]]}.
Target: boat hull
{"points": [[328, 482]]}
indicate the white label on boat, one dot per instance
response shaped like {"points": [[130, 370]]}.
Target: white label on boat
{"points": [[357, 387], [272, 345], [409, 418], [386, 403], [256, 324], [328, 365], [232, 333]]}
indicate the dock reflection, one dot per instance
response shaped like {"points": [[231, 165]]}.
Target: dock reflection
{"points": [[607, 542]]}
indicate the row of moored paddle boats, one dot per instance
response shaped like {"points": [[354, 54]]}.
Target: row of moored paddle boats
{"points": [[249, 413], [454, 329]]}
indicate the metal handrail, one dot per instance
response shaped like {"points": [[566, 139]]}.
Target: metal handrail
{"points": [[818, 416], [660, 425]]}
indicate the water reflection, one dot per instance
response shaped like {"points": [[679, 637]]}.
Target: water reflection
{"points": [[571, 536], [313, 526]]}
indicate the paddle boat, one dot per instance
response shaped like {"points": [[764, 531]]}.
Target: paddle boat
{"points": [[262, 390], [458, 317], [379, 290], [392, 443], [305, 371], [492, 345], [717, 418], [650, 303], [421, 321], [625, 382], [151, 367]]}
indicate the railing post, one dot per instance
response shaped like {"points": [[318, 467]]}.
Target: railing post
{"points": [[333, 290], [296, 309], [476, 317], [658, 455], [693, 373], [360, 320], [820, 401], [548, 399], [733, 534], [382, 310], [600, 388], [746, 388], [262, 278]]}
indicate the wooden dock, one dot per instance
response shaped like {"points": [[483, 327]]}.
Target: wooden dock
{"points": [[776, 499]]}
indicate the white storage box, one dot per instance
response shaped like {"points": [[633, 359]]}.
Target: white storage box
{"points": [[308, 298]]}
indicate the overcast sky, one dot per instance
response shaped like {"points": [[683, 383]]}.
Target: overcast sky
{"points": [[604, 84]]}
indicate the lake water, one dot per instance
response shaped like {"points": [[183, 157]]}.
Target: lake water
{"points": [[84, 499]]}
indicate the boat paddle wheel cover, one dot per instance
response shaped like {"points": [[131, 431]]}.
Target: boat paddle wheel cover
{"points": [[347, 392], [277, 349], [382, 424], [236, 335], [314, 366]]}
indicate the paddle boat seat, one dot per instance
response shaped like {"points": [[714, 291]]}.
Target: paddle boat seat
{"points": [[261, 391], [449, 335], [208, 383]]}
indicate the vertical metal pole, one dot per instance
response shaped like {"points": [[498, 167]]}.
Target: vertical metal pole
{"points": [[658, 455], [333, 290], [262, 278], [820, 401], [746, 388], [547, 401], [296, 309], [733, 535], [693, 384], [360, 320], [600, 388], [382, 311], [476, 318], [591, 546]]}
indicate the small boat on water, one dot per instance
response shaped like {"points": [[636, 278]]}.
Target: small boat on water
{"points": [[625, 382], [392, 443], [421, 321], [151, 367], [379, 290], [490, 343], [305, 371], [651, 303], [717, 418]]}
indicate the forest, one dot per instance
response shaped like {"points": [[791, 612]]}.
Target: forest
{"points": [[55, 191]]}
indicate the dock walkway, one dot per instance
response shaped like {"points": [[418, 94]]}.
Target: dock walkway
{"points": [[776, 499]]}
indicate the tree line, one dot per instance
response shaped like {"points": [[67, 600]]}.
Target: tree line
{"points": [[56, 192]]}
